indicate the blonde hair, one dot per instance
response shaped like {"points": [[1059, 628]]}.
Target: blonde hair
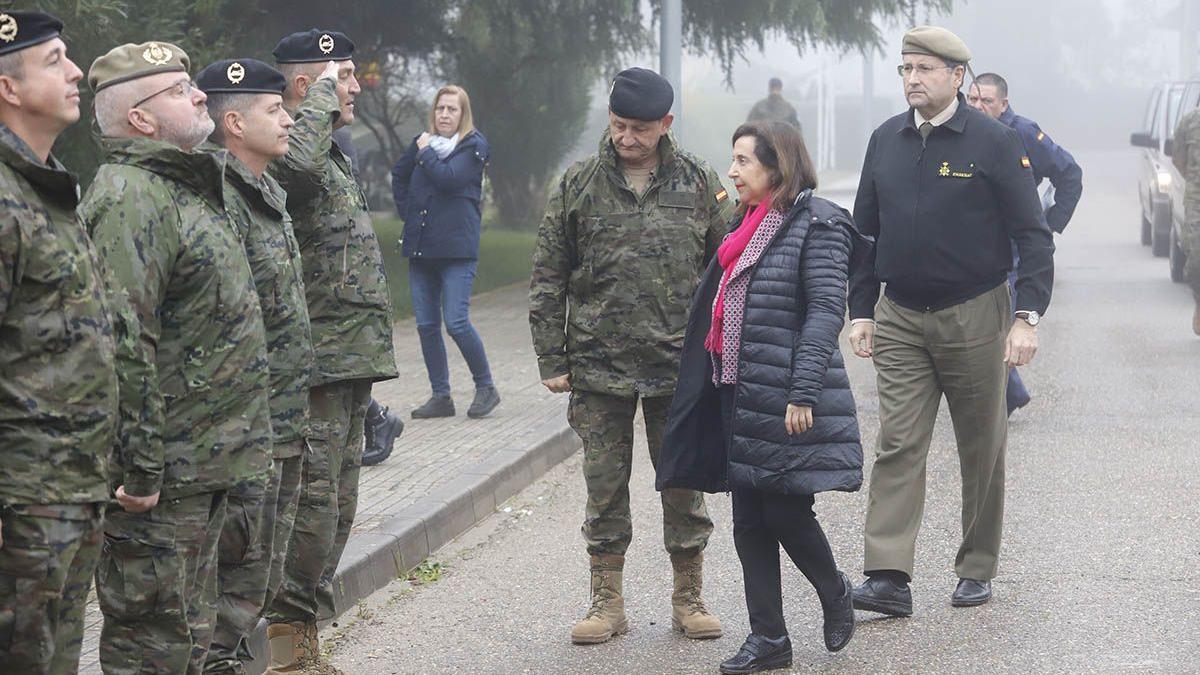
{"points": [[466, 124]]}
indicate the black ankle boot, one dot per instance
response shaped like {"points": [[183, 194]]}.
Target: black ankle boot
{"points": [[759, 653], [839, 618], [381, 430], [438, 406]]}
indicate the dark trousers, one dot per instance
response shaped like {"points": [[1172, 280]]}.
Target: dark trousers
{"points": [[764, 521]]}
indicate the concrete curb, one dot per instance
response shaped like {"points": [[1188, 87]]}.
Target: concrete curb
{"points": [[375, 558]]}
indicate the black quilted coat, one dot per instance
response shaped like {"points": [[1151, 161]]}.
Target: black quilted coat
{"points": [[795, 309]]}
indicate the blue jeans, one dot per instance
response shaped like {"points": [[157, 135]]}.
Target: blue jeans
{"points": [[441, 288], [1017, 395]]}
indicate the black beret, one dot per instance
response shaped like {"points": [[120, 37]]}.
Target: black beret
{"points": [[640, 94], [240, 76], [19, 30], [312, 46]]}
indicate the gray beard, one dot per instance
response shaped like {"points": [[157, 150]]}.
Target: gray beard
{"points": [[187, 136]]}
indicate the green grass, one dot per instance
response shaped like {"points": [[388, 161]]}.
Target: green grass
{"points": [[504, 258]]}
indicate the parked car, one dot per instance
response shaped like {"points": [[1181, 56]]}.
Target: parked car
{"points": [[1160, 187]]}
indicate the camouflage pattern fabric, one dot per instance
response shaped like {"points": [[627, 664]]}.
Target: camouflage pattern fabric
{"points": [[773, 109], [194, 385], [1186, 157], [328, 501], [46, 566], [157, 586], [58, 387], [285, 486], [349, 305], [605, 424], [627, 266], [243, 566], [258, 205]]}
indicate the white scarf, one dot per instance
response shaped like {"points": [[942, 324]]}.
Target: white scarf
{"points": [[443, 146]]}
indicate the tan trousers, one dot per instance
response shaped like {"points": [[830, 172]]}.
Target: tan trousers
{"points": [[919, 357]]}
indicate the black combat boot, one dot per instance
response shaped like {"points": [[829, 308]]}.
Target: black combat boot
{"points": [[381, 430]]}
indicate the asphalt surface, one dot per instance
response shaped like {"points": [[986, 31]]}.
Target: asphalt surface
{"points": [[1099, 571]]}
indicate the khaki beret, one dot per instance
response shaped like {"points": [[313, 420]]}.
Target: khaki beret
{"points": [[935, 41], [130, 61]]}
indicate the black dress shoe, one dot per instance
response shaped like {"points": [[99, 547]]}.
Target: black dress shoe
{"points": [[438, 406], [971, 593], [382, 430], [882, 595], [759, 653], [486, 400], [839, 618]]}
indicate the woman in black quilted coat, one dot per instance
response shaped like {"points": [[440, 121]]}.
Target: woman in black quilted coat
{"points": [[763, 407]]}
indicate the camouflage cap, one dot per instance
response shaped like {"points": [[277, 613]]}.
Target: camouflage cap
{"points": [[935, 41], [130, 61]]}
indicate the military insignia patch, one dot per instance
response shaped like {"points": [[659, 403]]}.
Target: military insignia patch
{"points": [[157, 55], [1041, 135], [944, 170], [1025, 162], [722, 196], [236, 73], [325, 43], [8, 28]]}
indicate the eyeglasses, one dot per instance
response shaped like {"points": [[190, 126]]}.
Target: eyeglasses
{"points": [[923, 69], [182, 88]]}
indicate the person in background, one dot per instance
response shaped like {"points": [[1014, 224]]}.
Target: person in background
{"points": [[774, 108], [437, 185], [763, 407]]}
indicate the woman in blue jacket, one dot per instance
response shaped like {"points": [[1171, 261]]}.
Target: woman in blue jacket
{"points": [[437, 186]]}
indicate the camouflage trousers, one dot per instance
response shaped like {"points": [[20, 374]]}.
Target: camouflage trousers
{"points": [[279, 520], [1191, 247], [328, 502], [605, 424], [157, 585], [47, 559], [243, 567]]}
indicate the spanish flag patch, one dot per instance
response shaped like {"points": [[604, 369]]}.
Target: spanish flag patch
{"points": [[722, 196], [1025, 162], [1041, 135]]}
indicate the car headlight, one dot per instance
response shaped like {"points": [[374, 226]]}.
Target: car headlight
{"points": [[1164, 181]]}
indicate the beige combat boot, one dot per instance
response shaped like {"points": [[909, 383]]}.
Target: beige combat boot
{"points": [[1196, 314], [296, 650], [688, 613], [606, 617]]}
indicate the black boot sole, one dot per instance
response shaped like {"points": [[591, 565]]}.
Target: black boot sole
{"points": [[888, 607], [973, 602], [776, 663]]}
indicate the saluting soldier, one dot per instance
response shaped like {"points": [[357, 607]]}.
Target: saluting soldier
{"points": [[944, 189], [245, 102], [619, 254], [350, 311], [194, 384], [58, 383]]}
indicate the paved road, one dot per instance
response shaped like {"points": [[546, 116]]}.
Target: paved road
{"points": [[1100, 566]]}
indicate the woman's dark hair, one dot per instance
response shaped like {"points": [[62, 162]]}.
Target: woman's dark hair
{"points": [[780, 147]]}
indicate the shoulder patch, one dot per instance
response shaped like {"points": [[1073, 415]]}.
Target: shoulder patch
{"points": [[1025, 162], [722, 196], [1041, 135]]}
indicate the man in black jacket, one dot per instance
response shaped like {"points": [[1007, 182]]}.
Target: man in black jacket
{"points": [[944, 189]]}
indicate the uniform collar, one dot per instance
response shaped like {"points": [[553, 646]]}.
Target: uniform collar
{"points": [[50, 178], [1007, 116], [953, 117], [201, 171]]}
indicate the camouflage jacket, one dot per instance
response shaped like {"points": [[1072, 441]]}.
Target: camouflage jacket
{"points": [[773, 109], [626, 266], [58, 383], [349, 305], [1186, 157], [258, 206], [194, 386]]}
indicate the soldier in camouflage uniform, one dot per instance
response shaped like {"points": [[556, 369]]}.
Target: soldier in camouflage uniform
{"points": [[58, 383], [245, 101], [194, 385], [774, 108], [350, 311], [625, 238], [1186, 157]]}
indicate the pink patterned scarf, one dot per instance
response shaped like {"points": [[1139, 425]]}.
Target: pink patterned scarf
{"points": [[727, 256]]}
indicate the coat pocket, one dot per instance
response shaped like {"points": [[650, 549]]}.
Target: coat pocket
{"points": [[140, 573]]}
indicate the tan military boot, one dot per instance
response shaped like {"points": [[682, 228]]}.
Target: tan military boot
{"points": [[606, 617], [296, 650], [688, 613]]}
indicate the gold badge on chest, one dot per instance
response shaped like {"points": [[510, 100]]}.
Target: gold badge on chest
{"points": [[946, 171]]}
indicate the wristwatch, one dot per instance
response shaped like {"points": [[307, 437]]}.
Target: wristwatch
{"points": [[1030, 317]]}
